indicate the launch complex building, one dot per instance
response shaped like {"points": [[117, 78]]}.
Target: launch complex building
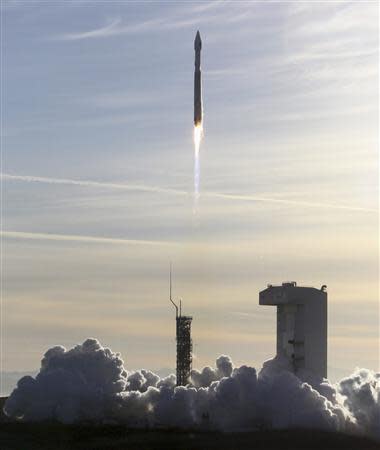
{"points": [[301, 329], [301, 325]]}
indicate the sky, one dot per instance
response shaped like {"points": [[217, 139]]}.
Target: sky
{"points": [[97, 175]]}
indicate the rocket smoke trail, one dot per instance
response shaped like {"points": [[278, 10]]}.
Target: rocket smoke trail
{"points": [[198, 120], [90, 384], [198, 130]]}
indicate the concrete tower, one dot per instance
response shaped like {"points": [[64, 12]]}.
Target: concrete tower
{"points": [[301, 325]]}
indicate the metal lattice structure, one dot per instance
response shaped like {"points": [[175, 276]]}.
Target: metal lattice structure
{"points": [[184, 349], [184, 342]]}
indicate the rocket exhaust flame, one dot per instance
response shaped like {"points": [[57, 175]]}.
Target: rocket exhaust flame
{"points": [[198, 133]]}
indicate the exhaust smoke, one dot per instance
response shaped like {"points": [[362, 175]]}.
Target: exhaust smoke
{"points": [[89, 383]]}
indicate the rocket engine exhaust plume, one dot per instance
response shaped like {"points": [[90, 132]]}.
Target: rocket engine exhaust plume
{"points": [[198, 115], [90, 384], [198, 132]]}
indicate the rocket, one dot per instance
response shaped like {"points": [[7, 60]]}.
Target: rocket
{"points": [[197, 81]]}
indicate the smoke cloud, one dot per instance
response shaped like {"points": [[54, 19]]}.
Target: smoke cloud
{"points": [[89, 383]]}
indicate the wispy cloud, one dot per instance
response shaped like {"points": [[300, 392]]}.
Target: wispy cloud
{"points": [[159, 190], [95, 184], [338, 18], [206, 6], [112, 28], [188, 18], [298, 203], [81, 238]]}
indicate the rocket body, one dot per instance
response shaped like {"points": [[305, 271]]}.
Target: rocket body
{"points": [[197, 81]]}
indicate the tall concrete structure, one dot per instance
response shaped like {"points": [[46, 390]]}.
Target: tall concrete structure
{"points": [[301, 325], [184, 341]]}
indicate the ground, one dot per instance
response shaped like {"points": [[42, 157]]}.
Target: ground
{"points": [[54, 436], [58, 437]]}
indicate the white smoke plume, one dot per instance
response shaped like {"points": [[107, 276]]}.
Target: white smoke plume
{"points": [[90, 384]]}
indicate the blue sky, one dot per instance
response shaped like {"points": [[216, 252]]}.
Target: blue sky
{"points": [[98, 174]]}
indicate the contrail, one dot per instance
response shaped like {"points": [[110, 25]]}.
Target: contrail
{"points": [[90, 183], [251, 198], [159, 190], [80, 238]]}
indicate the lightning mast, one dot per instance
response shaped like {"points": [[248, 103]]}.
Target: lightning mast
{"points": [[183, 339]]}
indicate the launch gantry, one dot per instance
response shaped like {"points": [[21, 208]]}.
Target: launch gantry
{"points": [[184, 342]]}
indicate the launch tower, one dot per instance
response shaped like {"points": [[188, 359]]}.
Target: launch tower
{"points": [[301, 325], [184, 342]]}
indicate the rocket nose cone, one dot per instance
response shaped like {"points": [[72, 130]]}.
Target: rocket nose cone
{"points": [[197, 41]]}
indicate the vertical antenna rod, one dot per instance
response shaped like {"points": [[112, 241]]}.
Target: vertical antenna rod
{"points": [[170, 291]]}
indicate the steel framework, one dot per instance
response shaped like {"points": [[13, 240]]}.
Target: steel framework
{"points": [[184, 349], [184, 342]]}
